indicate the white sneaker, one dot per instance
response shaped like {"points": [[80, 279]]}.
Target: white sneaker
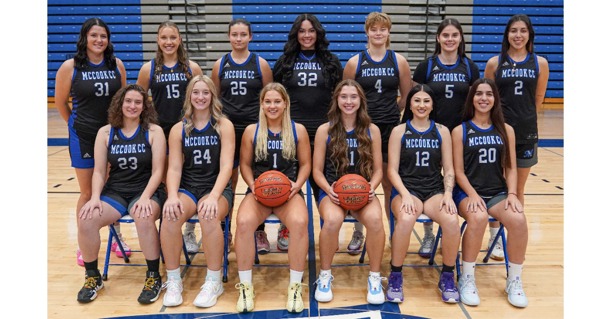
{"points": [[469, 294], [173, 293], [375, 293], [190, 240], [324, 292], [498, 252], [516, 295], [210, 291], [245, 301]]}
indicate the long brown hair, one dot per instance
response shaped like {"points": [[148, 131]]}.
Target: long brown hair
{"points": [[338, 137], [183, 60], [115, 111]]}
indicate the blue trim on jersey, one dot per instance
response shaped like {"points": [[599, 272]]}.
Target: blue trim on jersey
{"points": [[397, 68], [387, 53], [258, 67], [110, 136], [491, 127], [203, 129], [152, 71], [134, 134], [294, 133], [527, 57], [222, 65], [240, 64]]}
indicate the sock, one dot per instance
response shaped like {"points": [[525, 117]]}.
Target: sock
{"points": [[395, 268], [447, 268], [213, 275], [261, 227], [189, 228], [428, 229], [296, 276], [493, 232], [374, 274], [468, 268], [174, 274], [245, 276], [359, 227], [91, 265], [514, 271], [325, 272], [153, 265]]}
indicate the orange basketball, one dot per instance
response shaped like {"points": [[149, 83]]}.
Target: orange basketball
{"points": [[272, 188], [353, 191]]}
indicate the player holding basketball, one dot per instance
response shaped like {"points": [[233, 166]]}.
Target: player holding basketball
{"points": [[418, 151], [274, 143], [348, 143]]}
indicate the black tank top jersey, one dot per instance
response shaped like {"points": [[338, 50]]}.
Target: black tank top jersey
{"points": [[201, 151], [483, 159], [517, 83], [450, 84], [330, 171], [275, 160], [309, 95], [380, 82], [420, 159], [92, 89], [240, 86], [168, 90], [130, 161]]}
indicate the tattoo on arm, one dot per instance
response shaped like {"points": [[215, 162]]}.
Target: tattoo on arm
{"points": [[449, 182]]}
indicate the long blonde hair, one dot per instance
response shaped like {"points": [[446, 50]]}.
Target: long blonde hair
{"points": [[215, 104], [288, 138]]}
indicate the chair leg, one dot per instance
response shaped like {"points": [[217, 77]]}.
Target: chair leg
{"points": [[109, 246], [439, 235], [225, 263]]}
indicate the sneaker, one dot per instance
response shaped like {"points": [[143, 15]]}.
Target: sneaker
{"points": [[516, 295], [469, 294], [262, 243], [283, 238], [245, 301], [152, 288], [446, 285], [375, 293], [173, 293], [324, 292], [355, 245], [117, 250], [190, 240], [295, 297], [79, 258], [498, 252], [394, 293], [93, 283], [210, 291], [427, 244]]}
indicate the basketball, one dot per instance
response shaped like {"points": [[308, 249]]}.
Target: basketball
{"points": [[353, 191], [272, 188]]}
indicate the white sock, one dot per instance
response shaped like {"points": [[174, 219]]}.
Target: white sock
{"points": [[189, 228], [213, 275], [428, 230], [514, 271], [468, 268], [359, 227], [493, 232], [296, 276], [374, 274], [325, 272], [245, 276], [174, 274]]}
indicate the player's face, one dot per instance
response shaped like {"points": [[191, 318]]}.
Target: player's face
{"points": [[421, 105], [168, 40], [483, 98], [449, 39], [133, 105], [378, 34], [518, 35], [97, 40], [348, 100], [239, 36], [307, 36], [273, 105], [201, 96]]}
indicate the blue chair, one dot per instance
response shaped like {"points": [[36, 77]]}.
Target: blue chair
{"points": [[423, 218], [500, 235]]}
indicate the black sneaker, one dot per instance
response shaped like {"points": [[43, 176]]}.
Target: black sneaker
{"points": [[152, 288], [93, 283]]}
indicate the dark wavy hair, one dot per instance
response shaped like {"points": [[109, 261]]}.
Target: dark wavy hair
{"points": [[183, 59], [338, 137], [417, 88], [454, 22], [530, 42], [292, 48], [115, 111], [80, 58], [496, 114]]}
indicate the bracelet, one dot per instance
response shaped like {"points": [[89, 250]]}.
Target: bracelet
{"points": [[513, 194]]}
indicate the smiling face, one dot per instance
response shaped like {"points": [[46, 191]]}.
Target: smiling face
{"points": [[239, 36], [97, 40], [307, 36], [421, 105], [483, 99], [348, 100], [378, 35], [273, 105], [201, 96], [133, 104], [168, 40], [449, 39], [518, 35]]}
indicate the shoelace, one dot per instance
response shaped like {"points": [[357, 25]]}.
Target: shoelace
{"points": [[450, 285], [90, 282], [325, 281], [284, 232], [469, 283], [428, 241], [171, 286], [149, 284], [208, 287], [376, 282], [515, 287]]}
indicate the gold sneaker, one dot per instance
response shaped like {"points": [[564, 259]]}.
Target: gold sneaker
{"points": [[245, 301], [295, 297]]}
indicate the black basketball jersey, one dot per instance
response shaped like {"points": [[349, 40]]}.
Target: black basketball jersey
{"points": [[240, 86], [309, 94], [275, 160], [201, 150], [92, 90], [517, 83], [420, 159], [380, 82], [450, 84], [130, 161], [168, 89], [483, 153], [330, 171]]}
